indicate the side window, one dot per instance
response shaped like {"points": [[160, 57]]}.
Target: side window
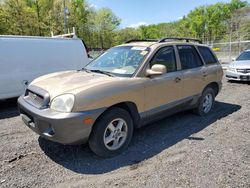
{"points": [[189, 57], [207, 55], [165, 56]]}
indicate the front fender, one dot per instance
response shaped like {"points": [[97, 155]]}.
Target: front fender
{"points": [[107, 95]]}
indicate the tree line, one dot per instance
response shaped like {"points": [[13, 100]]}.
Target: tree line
{"points": [[100, 28]]}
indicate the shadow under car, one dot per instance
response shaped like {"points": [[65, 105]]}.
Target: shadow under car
{"points": [[146, 143], [8, 108]]}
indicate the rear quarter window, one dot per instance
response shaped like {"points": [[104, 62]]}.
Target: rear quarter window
{"points": [[207, 55]]}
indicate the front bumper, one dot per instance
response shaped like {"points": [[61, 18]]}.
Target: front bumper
{"points": [[64, 128], [230, 75]]}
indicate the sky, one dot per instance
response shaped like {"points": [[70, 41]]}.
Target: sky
{"points": [[134, 13]]}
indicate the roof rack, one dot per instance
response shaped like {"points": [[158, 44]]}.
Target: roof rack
{"points": [[68, 35], [142, 40], [165, 40], [179, 38]]}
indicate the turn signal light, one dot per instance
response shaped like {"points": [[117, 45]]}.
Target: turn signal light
{"points": [[88, 121]]}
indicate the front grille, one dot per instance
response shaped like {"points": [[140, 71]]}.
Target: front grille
{"points": [[228, 76], [245, 71], [37, 97]]}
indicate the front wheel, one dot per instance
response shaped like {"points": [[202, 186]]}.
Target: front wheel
{"points": [[206, 102], [112, 133]]}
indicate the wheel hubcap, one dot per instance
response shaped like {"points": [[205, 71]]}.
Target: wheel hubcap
{"points": [[207, 103], [115, 134]]}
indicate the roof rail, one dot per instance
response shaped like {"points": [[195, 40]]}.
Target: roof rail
{"points": [[179, 38], [142, 40]]}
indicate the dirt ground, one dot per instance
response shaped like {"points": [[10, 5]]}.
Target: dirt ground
{"points": [[180, 151]]}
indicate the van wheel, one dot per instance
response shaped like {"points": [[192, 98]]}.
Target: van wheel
{"points": [[206, 102], [112, 133]]}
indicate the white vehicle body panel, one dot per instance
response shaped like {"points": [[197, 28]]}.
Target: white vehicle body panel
{"points": [[22, 59], [239, 70]]}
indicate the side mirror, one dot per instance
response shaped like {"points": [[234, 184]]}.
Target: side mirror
{"points": [[156, 69], [233, 59]]}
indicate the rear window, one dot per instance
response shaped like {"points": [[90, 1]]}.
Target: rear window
{"points": [[207, 55]]}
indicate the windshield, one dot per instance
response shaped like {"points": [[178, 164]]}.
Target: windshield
{"points": [[119, 61], [244, 56]]}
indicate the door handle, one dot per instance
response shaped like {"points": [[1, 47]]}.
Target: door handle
{"points": [[177, 79], [204, 74]]}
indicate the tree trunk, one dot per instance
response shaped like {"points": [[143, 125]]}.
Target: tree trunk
{"points": [[38, 17]]}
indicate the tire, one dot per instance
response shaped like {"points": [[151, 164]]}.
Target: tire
{"points": [[111, 133], [209, 96]]}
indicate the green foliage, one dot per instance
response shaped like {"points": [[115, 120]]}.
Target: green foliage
{"points": [[106, 23], [126, 34], [100, 28], [209, 23], [41, 17]]}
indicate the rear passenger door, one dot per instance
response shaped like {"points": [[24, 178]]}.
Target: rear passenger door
{"points": [[193, 71]]}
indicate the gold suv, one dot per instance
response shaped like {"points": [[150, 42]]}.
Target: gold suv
{"points": [[126, 87]]}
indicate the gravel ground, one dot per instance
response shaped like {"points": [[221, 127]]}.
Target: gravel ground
{"points": [[180, 151]]}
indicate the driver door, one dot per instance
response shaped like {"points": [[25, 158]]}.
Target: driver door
{"points": [[163, 92]]}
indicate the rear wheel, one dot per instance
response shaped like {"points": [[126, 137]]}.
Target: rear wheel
{"points": [[206, 102], [112, 133]]}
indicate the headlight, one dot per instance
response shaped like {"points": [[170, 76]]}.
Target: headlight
{"points": [[231, 69], [63, 103]]}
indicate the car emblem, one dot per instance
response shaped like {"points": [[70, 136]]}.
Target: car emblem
{"points": [[34, 96]]}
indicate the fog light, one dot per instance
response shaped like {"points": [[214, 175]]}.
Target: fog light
{"points": [[49, 132]]}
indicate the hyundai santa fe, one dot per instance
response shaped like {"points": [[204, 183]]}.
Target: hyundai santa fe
{"points": [[126, 87]]}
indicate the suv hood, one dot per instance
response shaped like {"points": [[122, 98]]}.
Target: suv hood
{"points": [[241, 64], [68, 82]]}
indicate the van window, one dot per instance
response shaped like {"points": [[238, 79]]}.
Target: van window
{"points": [[189, 57], [207, 55]]}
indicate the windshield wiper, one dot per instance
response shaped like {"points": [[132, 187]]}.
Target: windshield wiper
{"points": [[86, 70], [102, 72]]}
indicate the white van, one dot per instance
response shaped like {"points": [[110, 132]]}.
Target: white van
{"points": [[22, 59]]}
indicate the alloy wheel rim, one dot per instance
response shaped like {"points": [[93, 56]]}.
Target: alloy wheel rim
{"points": [[115, 134], [207, 103]]}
